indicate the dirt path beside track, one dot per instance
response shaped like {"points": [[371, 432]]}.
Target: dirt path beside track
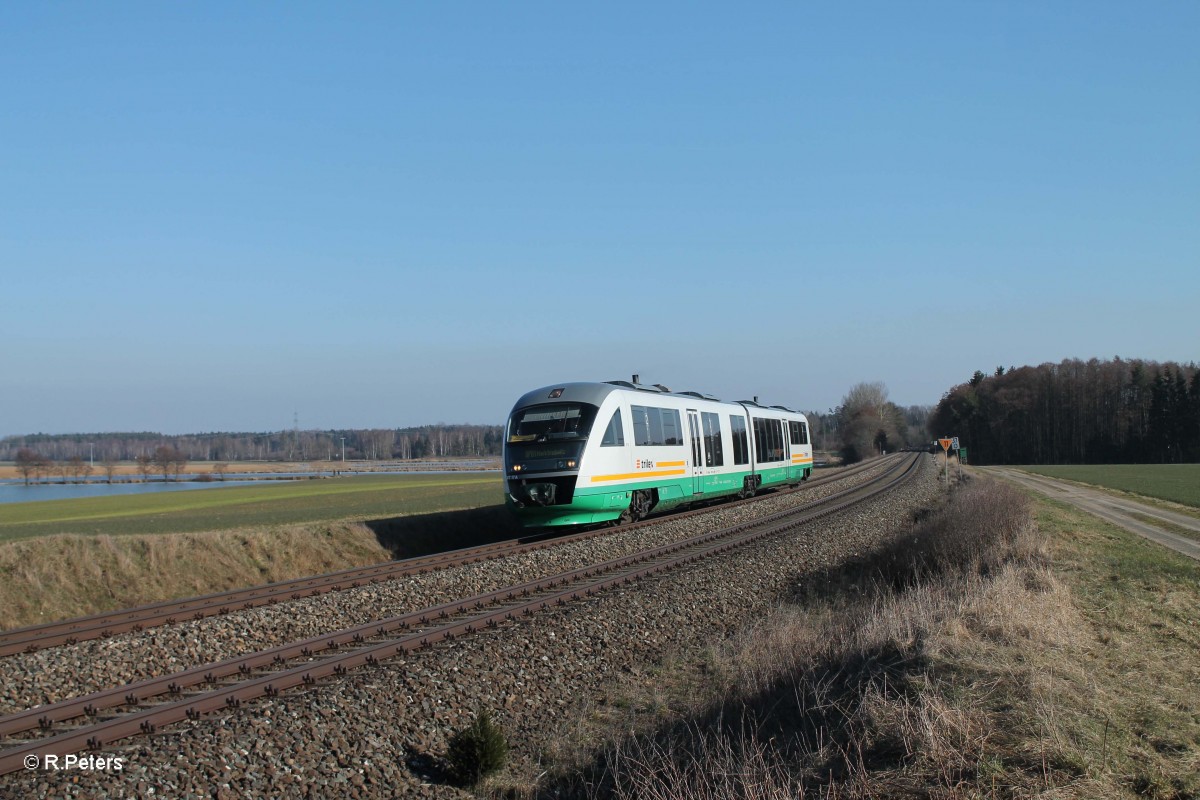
{"points": [[1125, 512]]}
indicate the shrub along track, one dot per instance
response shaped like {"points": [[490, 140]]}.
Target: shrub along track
{"points": [[108, 624], [146, 705]]}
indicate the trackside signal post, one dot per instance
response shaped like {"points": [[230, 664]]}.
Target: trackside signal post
{"points": [[949, 443], [945, 443]]}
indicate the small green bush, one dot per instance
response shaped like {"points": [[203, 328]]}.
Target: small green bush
{"points": [[477, 750]]}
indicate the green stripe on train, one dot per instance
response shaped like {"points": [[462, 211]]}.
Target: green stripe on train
{"points": [[591, 505]]}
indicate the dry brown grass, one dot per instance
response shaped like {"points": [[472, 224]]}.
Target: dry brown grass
{"points": [[55, 577], [962, 662]]}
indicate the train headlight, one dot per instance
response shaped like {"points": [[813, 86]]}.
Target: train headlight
{"points": [[517, 468], [571, 464]]}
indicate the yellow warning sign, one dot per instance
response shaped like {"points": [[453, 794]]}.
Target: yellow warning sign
{"points": [[945, 443]]}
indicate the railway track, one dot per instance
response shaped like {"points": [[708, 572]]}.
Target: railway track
{"points": [[108, 624], [98, 719]]}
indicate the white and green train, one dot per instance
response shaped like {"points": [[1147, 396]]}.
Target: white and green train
{"points": [[586, 453]]}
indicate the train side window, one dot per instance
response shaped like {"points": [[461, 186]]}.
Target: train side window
{"points": [[741, 444], [656, 426], [794, 429], [768, 439], [614, 435], [803, 433], [672, 429], [641, 425], [713, 455]]}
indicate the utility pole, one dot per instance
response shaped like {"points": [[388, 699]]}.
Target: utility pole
{"points": [[343, 451]]}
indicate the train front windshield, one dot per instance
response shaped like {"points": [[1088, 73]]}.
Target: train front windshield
{"points": [[555, 422]]}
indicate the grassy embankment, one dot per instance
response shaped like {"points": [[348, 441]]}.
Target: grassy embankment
{"points": [[1008, 648], [65, 558]]}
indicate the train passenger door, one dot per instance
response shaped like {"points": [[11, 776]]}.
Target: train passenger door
{"points": [[697, 451]]}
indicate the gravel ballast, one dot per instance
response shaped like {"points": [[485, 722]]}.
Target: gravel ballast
{"points": [[368, 734]]}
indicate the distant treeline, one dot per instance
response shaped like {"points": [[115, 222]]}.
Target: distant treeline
{"points": [[1077, 412], [429, 441]]}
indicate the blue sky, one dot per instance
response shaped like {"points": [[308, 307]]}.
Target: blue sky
{"points": [[222, 216]]}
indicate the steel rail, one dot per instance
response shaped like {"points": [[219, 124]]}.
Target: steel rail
{"points": [[617, 571], [43, 716], [168, 612]]}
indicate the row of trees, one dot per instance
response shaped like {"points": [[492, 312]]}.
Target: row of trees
{"points": [[1073, 412], [866, 422], [1077, 412], [430, 441], [33, 465]]}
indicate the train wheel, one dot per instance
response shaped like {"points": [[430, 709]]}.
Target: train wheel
{"points": [[639, 507]]}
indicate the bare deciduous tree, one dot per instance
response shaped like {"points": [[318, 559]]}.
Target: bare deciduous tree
{"points": [[870, 423], [27, 463], [78, 468]]}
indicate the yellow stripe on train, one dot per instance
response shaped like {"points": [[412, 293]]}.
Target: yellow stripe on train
{"points": [[629, 476]]}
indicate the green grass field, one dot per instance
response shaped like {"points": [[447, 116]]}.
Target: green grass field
{"points": [[1179, 483], [356, 498]]}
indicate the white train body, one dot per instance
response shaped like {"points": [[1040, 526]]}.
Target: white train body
{"points": [[583, 453]]}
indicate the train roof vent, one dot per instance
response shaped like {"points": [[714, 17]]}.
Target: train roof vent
{"points": [[701, 396], [638, 386], [749, 403], [661, 388], [785, 408]]}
